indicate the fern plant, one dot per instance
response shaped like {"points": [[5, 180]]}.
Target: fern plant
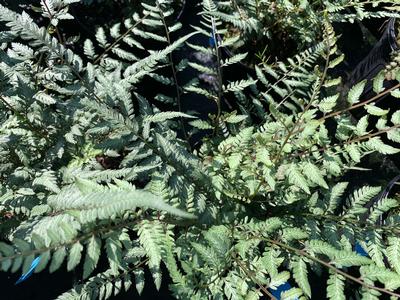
{"points": [[91, 166], [292, 25]]}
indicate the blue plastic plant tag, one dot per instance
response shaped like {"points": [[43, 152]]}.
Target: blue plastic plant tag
{"points": [[28, 274], [360, 250], [211, 40], [282, 288], [286, 286]]}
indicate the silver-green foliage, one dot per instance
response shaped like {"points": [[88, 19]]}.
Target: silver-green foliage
{"points": [[255, 206], [298, 21]]}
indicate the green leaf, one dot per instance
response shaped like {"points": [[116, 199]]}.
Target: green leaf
{"points": [[271, 262], [396, 93], [390, 279], [165, 115], [396, 117], [300, 274], [74, 257], [233, 119], [57, 259], [44, 98], [149, 237], [327, 104], [234, 59], [322, 247], [289, 234], [361, 197], [354, 152], [157, 277], [200, 91], [27, 263], [200, 124], [349, 259], [92, 256], [336, 61], [313, 173], [114, 253], [362, 125], [393, 253], [202, 69], [335, 194], [261, 76], [238, 86], [376, 144], [151, 61], [379, 209], [44, 259], [229, 41], [88, 49], [48, 180], [278, 279], [295, 177], [107, 203], [101, 37], [335, 288], [378, 82], [356, 92], [139, 280], [292, 294], [376, 111], [333, 82]]}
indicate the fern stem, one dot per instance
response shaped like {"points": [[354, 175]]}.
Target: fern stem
{"points": [[251, 275], [51, 19], [114, 278], [281, 79], [376, 97], [10, 107], [352, 4], [313, 97], [69, 243], [281, 102], [331, 267], [173, 69], [120, 38], [32, 127], [355, 140], [356, 224], [183, 172], [339, 112], [219, 74]]}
